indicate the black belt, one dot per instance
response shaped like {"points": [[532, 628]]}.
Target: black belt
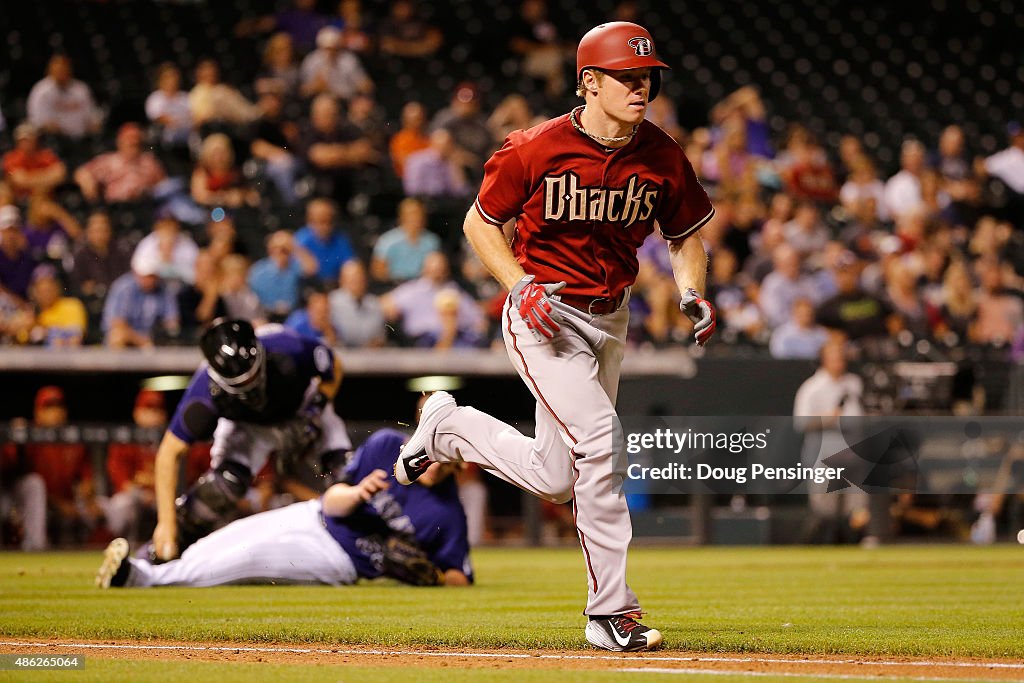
{"points": [[591, 305]]}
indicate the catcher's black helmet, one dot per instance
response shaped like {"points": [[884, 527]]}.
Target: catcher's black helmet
{"points": [[237, 358]]}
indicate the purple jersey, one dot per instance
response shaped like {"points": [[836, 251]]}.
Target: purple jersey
{"points": [[293, 362], [434, 515]]}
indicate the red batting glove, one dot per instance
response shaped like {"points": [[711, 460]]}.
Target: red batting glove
{"points": [[701, 313], [535, 308]]}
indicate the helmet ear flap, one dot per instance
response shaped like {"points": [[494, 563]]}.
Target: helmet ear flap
{"points": [[655, 84]]}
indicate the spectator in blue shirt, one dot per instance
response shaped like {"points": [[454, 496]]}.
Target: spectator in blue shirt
{"points": [[277, 279], [140, 306], [320, 237], [314, 320], [800, 337], [399, 253]]}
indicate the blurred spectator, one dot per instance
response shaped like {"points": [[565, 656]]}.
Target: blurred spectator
{"points": [[728, 162], [954, 169], [213, 102], [853, 311], [125, 175], [805, 169], [276, 279], [60, 320], [656, 290], [746, 104], [783, 286], [314, 319], [466, 122], [1008, 166], [356, 314], [31, 168], [49, 229], [172, 249], [799, 337], [221, 236], [735, 297], [273, 140], [168, 108], [410, 138], [99, 259], [356, 30], [369, 120], [200, 303], [16, 262], [404, 34], [332, 70], [662, 113], [67, 472], [131, 507], [829, 394], [437, 171], [140, 307], [61, 105], [1000, 314], [863, 186], [22, 497], [433, 310], [902, 295], [959, 301], [240, 300], [280, 68], [216, 180], [300, 22], [513, 113], [334, 149], [806, 232], [324, 241], [534, 37], [903, 190], [399, 253]]}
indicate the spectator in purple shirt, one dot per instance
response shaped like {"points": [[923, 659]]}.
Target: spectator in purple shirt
{"points": [[436, 171], [301, 22], [434, 311], [16, 262]]}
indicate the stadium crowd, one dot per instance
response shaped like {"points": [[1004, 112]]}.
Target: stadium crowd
{"points": [[189, 214], [299, 198]]}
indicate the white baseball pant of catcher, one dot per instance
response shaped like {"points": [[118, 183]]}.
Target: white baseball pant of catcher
{"points": [[575, 379], [287, 545]]}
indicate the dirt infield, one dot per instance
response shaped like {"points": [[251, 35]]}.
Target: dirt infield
{"points": [[665, 661]]}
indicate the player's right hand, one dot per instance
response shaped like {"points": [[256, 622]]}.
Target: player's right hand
{"points": [[534, 306], [372, 483], [165, 540]]}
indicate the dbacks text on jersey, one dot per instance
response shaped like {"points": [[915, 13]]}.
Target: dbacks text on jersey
{"points": [[565, 200]]}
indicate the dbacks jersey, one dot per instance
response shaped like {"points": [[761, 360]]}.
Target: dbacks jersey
{"points": [[433, 516], [582, 210], [293, 362]]}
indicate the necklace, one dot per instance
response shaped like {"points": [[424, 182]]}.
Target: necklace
{"points": [[574, 117]]}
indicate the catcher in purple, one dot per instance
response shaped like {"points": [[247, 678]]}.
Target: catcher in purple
{"points": [[365, 527]]}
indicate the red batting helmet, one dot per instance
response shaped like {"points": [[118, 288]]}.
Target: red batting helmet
{"points": [[619, 45]]}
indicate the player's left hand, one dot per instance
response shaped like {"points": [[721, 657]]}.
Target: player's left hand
{"points": [[701, 313], [534, 306], [372, 483]]}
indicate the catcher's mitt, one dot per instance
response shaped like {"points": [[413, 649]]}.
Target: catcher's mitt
{"points": [[405, 561]]}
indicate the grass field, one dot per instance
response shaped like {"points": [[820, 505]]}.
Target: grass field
{"points": [[930, 601]]}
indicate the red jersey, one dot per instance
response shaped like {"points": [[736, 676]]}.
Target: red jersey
{"points": [[61, 466], [582, 210], [126, 460]]}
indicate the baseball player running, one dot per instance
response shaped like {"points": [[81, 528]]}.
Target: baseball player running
{"points": [[255, 395], [585, 189], [365, 529]]}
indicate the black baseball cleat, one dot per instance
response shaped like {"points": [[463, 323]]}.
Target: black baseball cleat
{"points": [[116, 567], [622, 633], [413, 460]]}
